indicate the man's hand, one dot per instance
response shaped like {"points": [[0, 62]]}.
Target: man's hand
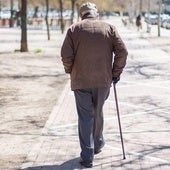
{"points": [[115, 79]]}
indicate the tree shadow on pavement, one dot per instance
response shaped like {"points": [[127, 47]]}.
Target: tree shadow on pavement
{"points": [[146, 70]]}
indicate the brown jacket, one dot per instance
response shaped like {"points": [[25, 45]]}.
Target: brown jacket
{"points": [[87, 54]]}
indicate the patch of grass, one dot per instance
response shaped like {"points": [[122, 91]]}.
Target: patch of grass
{"points": [[38, 50], [17, 50]]}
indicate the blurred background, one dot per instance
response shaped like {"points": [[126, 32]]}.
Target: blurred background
{"points": [[59, 14], [58, 10]]}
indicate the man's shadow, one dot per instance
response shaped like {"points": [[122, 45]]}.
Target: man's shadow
{"points": [[68, 165]]}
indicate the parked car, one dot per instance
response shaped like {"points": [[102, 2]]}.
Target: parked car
{"points": [[5, 14], [164, 23], [168, 24], [152, 19], [164, 19]]}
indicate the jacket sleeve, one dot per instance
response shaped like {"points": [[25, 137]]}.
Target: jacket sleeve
{"points": [[67, 52], [120, 54]]}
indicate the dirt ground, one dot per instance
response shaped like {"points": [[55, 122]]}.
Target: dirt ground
{"points": [[30, 84]]}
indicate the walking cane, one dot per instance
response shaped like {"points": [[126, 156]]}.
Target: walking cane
{"points": [[118, 115]]}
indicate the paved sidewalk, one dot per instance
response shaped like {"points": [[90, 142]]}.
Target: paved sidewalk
{"points": [[144, 97], [58, 147]]}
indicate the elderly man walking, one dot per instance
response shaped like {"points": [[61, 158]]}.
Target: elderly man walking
{"points": [[94, 55]]}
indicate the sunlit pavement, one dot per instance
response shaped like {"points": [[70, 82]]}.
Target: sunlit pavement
{"points": [[144, 97]]}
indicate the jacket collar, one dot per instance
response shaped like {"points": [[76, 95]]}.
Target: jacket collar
{"points": [[89, 16]]}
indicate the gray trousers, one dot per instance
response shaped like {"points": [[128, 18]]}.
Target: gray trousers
{"points": [[89, 103]]}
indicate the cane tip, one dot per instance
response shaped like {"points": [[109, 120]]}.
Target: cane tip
{"points": [[124, 158]]}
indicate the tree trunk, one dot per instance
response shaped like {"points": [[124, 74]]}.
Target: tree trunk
{"points": [[11, 8], [140, 7], [24, 47], [148, 17], [19, 4], [78, 14], [72, 8], [46, 19], [12, 11], [159, 18], [0, 6], [61, 16]]}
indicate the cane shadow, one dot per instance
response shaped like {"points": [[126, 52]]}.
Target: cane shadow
{"points": [[68, 165]]}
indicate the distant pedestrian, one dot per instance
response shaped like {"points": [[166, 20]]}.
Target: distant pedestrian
{"points": [[87, 55], [138, 22]]}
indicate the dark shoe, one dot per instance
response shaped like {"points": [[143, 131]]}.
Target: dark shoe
{"points": [[85, 164], [98, 150]]}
